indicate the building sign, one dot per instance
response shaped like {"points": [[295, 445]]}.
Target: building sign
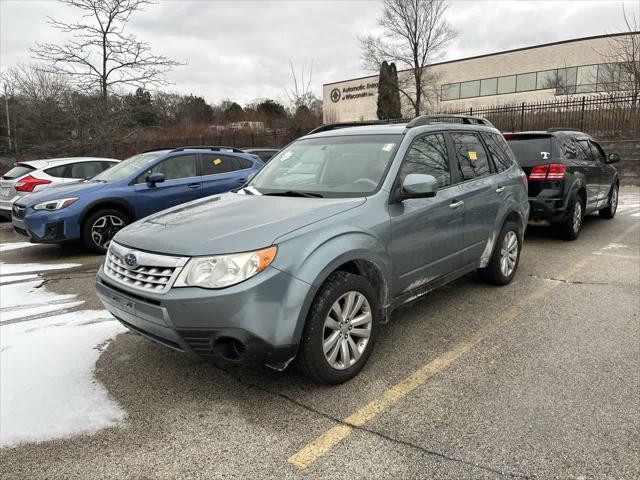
{"points": [[353, 92]]}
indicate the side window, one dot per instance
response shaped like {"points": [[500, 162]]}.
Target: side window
{"points": [[183, 166], [428, 155], [56, 171], [244, 163], [499, 151], [106, 165], [471, 156], [597, 152], [216, 164], [85, 169], [584, 151]]}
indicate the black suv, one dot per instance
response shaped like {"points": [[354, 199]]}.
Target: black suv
{"points": [[569, 176]]}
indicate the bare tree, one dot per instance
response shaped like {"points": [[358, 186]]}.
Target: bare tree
{"points": [[101, 55], [416, 33], [300, 95], [622, 55]]}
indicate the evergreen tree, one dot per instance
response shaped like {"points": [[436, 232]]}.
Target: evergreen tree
{"points": [[388, 92]]}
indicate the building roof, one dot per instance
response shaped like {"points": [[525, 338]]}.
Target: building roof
{"points": [[499, 53]]}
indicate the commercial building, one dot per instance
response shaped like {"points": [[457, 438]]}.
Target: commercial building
{"points": [[540, 72]]}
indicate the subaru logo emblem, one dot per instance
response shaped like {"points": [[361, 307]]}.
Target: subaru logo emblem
{"points": [[131, 260]]}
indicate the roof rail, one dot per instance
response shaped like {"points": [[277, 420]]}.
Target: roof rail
{"points": [[335, 126], [208, 147], [466, 119], [157, 149], [563, 129]]}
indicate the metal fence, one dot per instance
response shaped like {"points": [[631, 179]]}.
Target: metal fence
{"points": [[605, 117]]}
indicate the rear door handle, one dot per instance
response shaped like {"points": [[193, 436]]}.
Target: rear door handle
{"points": [[456, 204], [499, 189], [241, 181], [194, 185]]}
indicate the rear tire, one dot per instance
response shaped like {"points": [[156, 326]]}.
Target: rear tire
{"points": [[610, 211], [504, 260], [99, 228], [340, 330], [570, 228]]}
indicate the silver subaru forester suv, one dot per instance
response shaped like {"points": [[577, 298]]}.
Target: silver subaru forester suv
{"points": [[340, 228]]}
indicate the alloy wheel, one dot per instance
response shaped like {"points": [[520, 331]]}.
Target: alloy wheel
{"points": [[577, 216], [509, 253], [104, 229], [347, 329]]}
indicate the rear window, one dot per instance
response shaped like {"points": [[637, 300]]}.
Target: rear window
{"points": [[530, 151], [17, 171]]}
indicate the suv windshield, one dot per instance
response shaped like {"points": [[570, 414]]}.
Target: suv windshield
{"points": [[340, 166], [127, 167]]}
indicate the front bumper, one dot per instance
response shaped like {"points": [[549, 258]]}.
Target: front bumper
{"points": [[258, 321], [47, 227]]}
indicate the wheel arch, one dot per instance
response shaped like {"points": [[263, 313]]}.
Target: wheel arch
{"points": [[115, 203]]}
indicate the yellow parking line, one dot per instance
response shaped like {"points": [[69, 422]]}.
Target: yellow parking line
{"points": [[325, 442]]}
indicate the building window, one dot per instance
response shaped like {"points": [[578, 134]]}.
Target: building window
{"points": [[565, 81], [507, 84], [526, 82], [547, 79], [450, 91], [488, 86], [470, 89]]}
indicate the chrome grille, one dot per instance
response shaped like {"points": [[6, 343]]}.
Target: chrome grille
{"points": [[144, 271]]}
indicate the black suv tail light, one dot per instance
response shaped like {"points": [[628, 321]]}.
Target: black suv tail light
{"points": [[551, 171]]}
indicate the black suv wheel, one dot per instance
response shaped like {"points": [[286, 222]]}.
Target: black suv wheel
{"points": [[610, 211], [570, 228]]}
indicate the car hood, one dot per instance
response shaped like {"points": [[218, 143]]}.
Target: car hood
{"points": [[228, 223], [58, 191]]}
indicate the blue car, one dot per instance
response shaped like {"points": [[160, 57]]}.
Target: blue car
{"points": [[95, 209]]}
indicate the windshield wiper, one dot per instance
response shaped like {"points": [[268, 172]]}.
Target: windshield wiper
{"points": [[295, 193]]}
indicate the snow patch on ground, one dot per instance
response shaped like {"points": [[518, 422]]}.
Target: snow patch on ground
{"points": [[4, 247], [17, 278], [614, 246], [25, 299], [47, 388], [13, 268]]}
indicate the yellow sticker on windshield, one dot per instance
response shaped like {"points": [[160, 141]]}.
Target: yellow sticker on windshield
{"points": [[217, 161], [473, 156]]}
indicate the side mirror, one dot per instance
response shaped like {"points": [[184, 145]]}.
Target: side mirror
{"points": [[613, 158], [417, 185], [155, 178]]}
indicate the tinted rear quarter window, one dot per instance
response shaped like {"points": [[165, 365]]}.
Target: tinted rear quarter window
{"points": [[499, 151], [532, 150], [470, 155], [244, 163], [17, 171], [59, 171]]}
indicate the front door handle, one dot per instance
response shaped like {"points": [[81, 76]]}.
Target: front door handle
{"points": [[456, 204], [194, 185], [499, 189]]}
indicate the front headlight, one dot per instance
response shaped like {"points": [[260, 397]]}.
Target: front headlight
{"points": [[222, 271], [55, 204]]}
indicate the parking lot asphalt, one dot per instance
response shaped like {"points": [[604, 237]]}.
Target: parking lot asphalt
{"points": [[537, 379]]}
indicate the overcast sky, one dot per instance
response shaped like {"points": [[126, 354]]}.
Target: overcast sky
{"points": [[241, 49]]}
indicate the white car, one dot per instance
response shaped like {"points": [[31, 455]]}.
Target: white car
{"points": [[34, 175]]}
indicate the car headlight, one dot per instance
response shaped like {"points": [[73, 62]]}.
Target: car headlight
{"points": [[55, 204], [221, 271]]}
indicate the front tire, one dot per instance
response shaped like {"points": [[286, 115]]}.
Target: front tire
{"points": [[100, 227], [340, 330], [610, 211], [506, 255]]}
